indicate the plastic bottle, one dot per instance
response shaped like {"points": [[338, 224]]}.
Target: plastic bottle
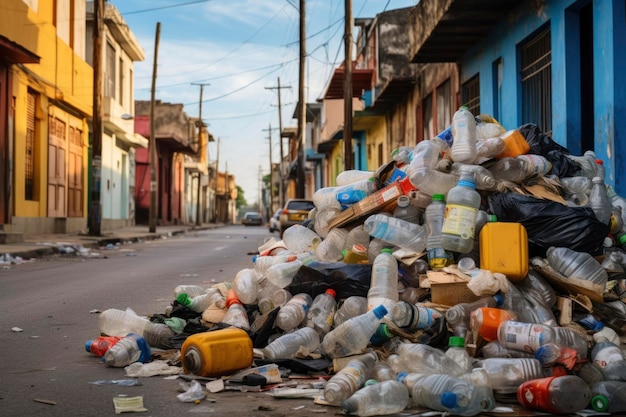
{"points": [[460, 218], [489, 148], [421, 358], [514, 144], [599, 200], [486, 320], [288, 345], [320, 315], [101, 344], [412, 317], [458, 316], [354, 192], [246, 286], [382, 372], [281, 275], [432, 181], [114, 322], [426, 154], [294, 312], [606, 334], [568, 337], [457, 352], [609, 396], [263, 263], [323, 219], [520, 168], [573, 264], [299, 238], [496, 350], [515, 300], [464, 132], [434, 214], [129, 349], [527, 337], [536, 284], [353, 175], [483, 178], [384, 398], [357, 236], [506, 374], [217, 352], [397, 232], [410, 379], [384, 282], [450, 394], [350, 307], [349, 379], [189, 289], [375, 247], [567, 394], [236, 314], [357, 254], [405, 211], [587, 163], [201, 302], [331, 248], [354, 334], [159, 336], [611, 359]]}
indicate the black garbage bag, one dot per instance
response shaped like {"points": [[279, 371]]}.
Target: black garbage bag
{"points": [[549, 223], [345, 279], [544, 145]]}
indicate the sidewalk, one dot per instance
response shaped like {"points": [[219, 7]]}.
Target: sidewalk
{"points": [[36, 246]]}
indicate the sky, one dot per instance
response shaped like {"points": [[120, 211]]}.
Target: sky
{"points": [[239, 49]]}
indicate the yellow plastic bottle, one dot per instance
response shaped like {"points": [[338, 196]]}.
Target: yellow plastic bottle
{"points": [[504, 249], [217, 353]]}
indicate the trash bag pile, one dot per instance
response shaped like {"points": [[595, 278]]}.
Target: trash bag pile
{"points": [[481, 266]]}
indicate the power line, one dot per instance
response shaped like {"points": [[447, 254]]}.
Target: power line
{"points": [[171, 6]]}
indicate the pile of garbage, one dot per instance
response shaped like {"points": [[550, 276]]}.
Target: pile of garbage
{"points": [[481, 266]]}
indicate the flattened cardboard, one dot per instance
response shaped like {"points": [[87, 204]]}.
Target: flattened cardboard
{"points": [[448, 289]]}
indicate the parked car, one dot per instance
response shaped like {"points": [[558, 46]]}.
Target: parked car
{"points": [[252, 219], [274, 224], [296, 211]]}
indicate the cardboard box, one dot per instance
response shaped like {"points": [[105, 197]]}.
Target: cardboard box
{"points": [[382, 200], [448, 289]]}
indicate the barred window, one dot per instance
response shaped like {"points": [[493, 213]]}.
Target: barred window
{"points": [[536, 69], [29, 158], [470, 94]]}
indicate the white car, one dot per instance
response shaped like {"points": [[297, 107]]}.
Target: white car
{"points": [[274, 224]]}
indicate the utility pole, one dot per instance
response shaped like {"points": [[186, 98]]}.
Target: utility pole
{"points": [[153, 151], [280, 138], [200, 150], [271, 208], [302, 103], [217, 177], [347, 89], [95, 210]]}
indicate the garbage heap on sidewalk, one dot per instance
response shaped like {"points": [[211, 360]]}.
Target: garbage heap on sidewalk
{"points": [[480, 266]]}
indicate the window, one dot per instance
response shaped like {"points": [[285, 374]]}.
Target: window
{"points": [[109, 75], [29, 165], [470, 94], [427, 114], [444, 106], [536, 82]]}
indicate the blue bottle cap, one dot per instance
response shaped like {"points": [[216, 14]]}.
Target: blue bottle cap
{"points": [[499, 299], [401, 376], [88, 345], [380, 311], [449, 400]]}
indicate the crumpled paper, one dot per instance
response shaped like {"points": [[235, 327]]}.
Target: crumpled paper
{"points": [[153, 368]]}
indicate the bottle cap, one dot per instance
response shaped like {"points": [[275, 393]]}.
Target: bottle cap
{"points": [[370, 382], [386, 250], [401, 376], [332, 292], [184, 299], [358, 248], [380, 311], [622, 239], [600, 403], [456, 341], [499, 299], [88, 345], [403, 201], [439, 197], [231, 298], [599, 162], [449, 400]]}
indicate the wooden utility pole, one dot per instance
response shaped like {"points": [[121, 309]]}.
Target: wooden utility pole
{"points": [[153, 150], [271, 189], [200, 150], [95, 209], [347, 89], [302, 103], [281, 190]]}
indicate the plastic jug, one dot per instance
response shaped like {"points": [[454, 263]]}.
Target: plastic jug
{"points": [[217, 353], [504, 249]]}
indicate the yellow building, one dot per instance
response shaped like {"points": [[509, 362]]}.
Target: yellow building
{"points": [[45, 101]]}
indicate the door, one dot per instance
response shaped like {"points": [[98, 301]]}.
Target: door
{"points": [[57, 183], [75, 192]]}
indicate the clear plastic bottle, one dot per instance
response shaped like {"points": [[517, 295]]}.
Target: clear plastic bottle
{"points": [[520, 168], [421, 358], [567, 394], [263, 263], [100, 345], [405, 211], [129, 349], [189, 289], [609, 396], [434, 214], [383, 372], [457, 352], [568, 337], [299, 238], [159, 335], [574, 264], [350, 307], [412, 317], [246, 286], [281, 275], [432, 181], [426, 154], [384, 398], [331, 248], [353, 175], [294, 312], [611, 359], [506, 374], [323, 219], [267, 292], [599, 200], [114, 322], [402, 155], [496, 350], [349, 379], [527, 337], [353, 335], [375, 247], [397, 232], [489, 148], [410, 379], [536, 284], [460, 218], [450, 394], [357, 236], [384, 282], [288, 345], [482, 176], [464, 132], [320, 315], [236, 315], [458, 316], [587, 163]]}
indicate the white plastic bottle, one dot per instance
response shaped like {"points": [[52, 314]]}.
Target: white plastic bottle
{"points": [[525, 336], [246, 286], [353, 175], [384, 282], [114, 322], [412, 317], [357, 236], [353, 335], [383, 398], [282, 274], [464, 133], [320, 315], [460, 218], [293, 313], [599, 200], [397, 232], [506, 374], [426, 154], [263, 263], [349, 379], [236, 315], [483, 178], [129, 349], [350, 307], [450, 394], [457, 352], [331, 248], [421, 358], [288, 345], [434, 214], [298, 239], [432, 181]]}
